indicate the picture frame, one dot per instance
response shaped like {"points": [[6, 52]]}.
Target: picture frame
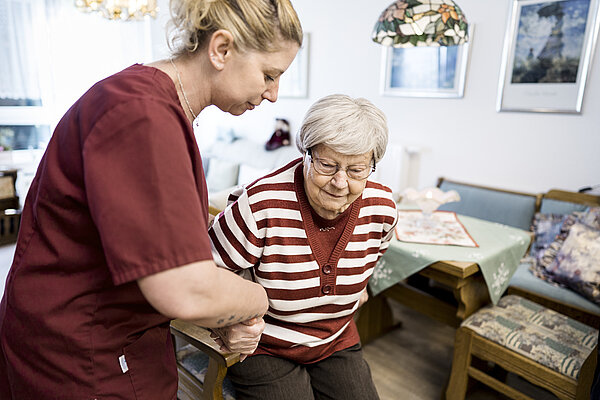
{"points": [[547, 55], [425, 71], [294, 81]]}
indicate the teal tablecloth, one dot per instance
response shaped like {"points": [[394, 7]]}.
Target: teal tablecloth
{"points": [[500, 250]]}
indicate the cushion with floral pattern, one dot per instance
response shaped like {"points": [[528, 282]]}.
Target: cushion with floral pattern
{"points": [[536, 332], [544, 251], [545, 228], [577, 263]]}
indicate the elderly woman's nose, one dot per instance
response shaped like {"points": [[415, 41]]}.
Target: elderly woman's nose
{"points": [[340, 179]]}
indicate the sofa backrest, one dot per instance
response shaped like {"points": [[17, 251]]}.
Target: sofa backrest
{"points": [[562, 202], [506, 207]]}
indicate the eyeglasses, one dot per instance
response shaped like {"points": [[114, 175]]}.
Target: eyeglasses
{"points": [[329, 168]]}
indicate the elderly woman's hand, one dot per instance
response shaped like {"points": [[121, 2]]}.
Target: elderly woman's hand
{"points": [[240, 338]]}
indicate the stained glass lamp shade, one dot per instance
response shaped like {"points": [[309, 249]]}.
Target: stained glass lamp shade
{"points": [[120, 9], [409, 23]]}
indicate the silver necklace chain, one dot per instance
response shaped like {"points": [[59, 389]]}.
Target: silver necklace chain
{"points": [[182, 90]]}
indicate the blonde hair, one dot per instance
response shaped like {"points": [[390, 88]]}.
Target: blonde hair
{"points": [[255, 24], [346, 125]]}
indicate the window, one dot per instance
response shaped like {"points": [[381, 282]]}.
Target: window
{"points": [[51, 54]]}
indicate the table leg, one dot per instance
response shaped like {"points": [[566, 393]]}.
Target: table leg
{"points": [[374, 319], [471, 295], [448, 299]]}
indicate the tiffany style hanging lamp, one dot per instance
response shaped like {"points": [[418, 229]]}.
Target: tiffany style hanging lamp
{"points": [[410, 23]]}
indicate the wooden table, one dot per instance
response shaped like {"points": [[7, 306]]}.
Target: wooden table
{"points": [[448, 291]]}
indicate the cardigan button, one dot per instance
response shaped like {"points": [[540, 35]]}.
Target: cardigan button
{"points": [[327, 269], [326, 289]]}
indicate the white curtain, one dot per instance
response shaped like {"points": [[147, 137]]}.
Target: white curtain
{"points": [[54, 52], [18, 73]]}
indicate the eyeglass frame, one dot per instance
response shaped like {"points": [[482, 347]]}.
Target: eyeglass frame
{"points": [[338, 168]]}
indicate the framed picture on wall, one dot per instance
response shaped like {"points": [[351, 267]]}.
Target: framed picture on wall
{"points": [[294, 81], [425, 71], [547, 55]]}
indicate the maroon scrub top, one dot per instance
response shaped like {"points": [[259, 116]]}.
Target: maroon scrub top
{"points": [[120, 194]]}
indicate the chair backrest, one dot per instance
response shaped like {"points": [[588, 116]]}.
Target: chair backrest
{"points": [[497, 205], [563, 202]]}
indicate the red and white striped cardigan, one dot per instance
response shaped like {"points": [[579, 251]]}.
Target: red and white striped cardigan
{"points": [[268, 229]]}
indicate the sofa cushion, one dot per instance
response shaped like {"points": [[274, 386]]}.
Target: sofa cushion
{"points": [[524, 279], [221, 174], [249, 174], [545, 228], [549, 246], [513, 209], [553, 206], [577, 263]]}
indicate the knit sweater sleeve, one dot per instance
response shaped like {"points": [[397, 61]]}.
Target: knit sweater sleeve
{"points": [[389, 227], [236, 241]]}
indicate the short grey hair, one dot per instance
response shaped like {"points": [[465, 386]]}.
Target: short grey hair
{"points": [[346, 125]]}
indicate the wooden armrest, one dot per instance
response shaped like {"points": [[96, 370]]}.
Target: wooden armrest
{"points": [[199, 337]]}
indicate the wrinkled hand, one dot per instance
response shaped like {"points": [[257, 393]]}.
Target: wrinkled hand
{"points": [[363, 297], [240, 338]]}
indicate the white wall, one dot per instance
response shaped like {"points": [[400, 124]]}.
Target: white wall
{"points": [[464, 139]]}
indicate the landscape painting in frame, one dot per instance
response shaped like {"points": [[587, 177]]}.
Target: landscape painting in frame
{"points": [[547, 55]]}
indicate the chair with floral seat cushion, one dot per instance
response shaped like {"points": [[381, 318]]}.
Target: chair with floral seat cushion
{"points": [[540, 345], [201, 365]]}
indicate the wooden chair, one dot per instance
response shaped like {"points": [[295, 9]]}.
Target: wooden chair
{"points": [[562, 300], [547, 349], [201, 365]]}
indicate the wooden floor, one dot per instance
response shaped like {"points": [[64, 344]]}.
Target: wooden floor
{"points": [[413, 362]]}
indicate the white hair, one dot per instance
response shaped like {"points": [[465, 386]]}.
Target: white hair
{"points": [[346, 125]]}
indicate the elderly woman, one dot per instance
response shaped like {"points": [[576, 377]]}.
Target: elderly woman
{"points": [[113, 241], [310, 233]]}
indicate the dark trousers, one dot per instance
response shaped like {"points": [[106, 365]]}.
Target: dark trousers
{"points": [[344, 375]]}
